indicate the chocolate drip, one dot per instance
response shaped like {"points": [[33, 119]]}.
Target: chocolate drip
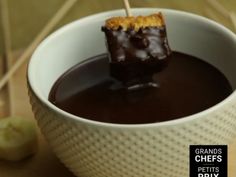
{"points": [[136, 55]]}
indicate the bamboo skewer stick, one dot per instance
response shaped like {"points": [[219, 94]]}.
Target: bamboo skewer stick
{"points": [[233, 19], [46, 30], [223, 11], [219, 8], [7, 50], [127, 8]]}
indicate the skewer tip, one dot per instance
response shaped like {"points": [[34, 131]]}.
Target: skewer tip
{"points": [[127, 8]]}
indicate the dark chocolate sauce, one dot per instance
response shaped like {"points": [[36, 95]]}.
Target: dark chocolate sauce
{"points": [[187, 86], [136, 55]]}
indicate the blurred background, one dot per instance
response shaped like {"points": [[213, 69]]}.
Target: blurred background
{"points": [[28, 17]]}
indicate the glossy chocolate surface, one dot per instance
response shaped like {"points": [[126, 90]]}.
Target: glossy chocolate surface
{"points": [[187, 86]]}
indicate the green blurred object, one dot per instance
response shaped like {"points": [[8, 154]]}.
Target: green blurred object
{"points": [[29, 16]]}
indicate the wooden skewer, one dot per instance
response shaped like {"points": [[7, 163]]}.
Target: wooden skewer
{"points": [[223, 11], [46, 30], [233, 19], [219, 8], [7, 50], [127, 8]]}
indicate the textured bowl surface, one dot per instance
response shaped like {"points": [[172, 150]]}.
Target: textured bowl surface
{"points": [[93, 149]]}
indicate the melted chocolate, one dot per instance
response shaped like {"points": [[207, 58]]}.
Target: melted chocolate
{"points": [[187, 86], [136, 55]]}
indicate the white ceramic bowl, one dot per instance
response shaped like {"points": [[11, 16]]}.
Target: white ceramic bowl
{"points": [[94, 149]]}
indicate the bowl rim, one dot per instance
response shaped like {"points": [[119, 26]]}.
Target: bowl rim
{"points": [[72, 117]]}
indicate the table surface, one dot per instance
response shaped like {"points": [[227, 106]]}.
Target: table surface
{"points": [[44, 163]]}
